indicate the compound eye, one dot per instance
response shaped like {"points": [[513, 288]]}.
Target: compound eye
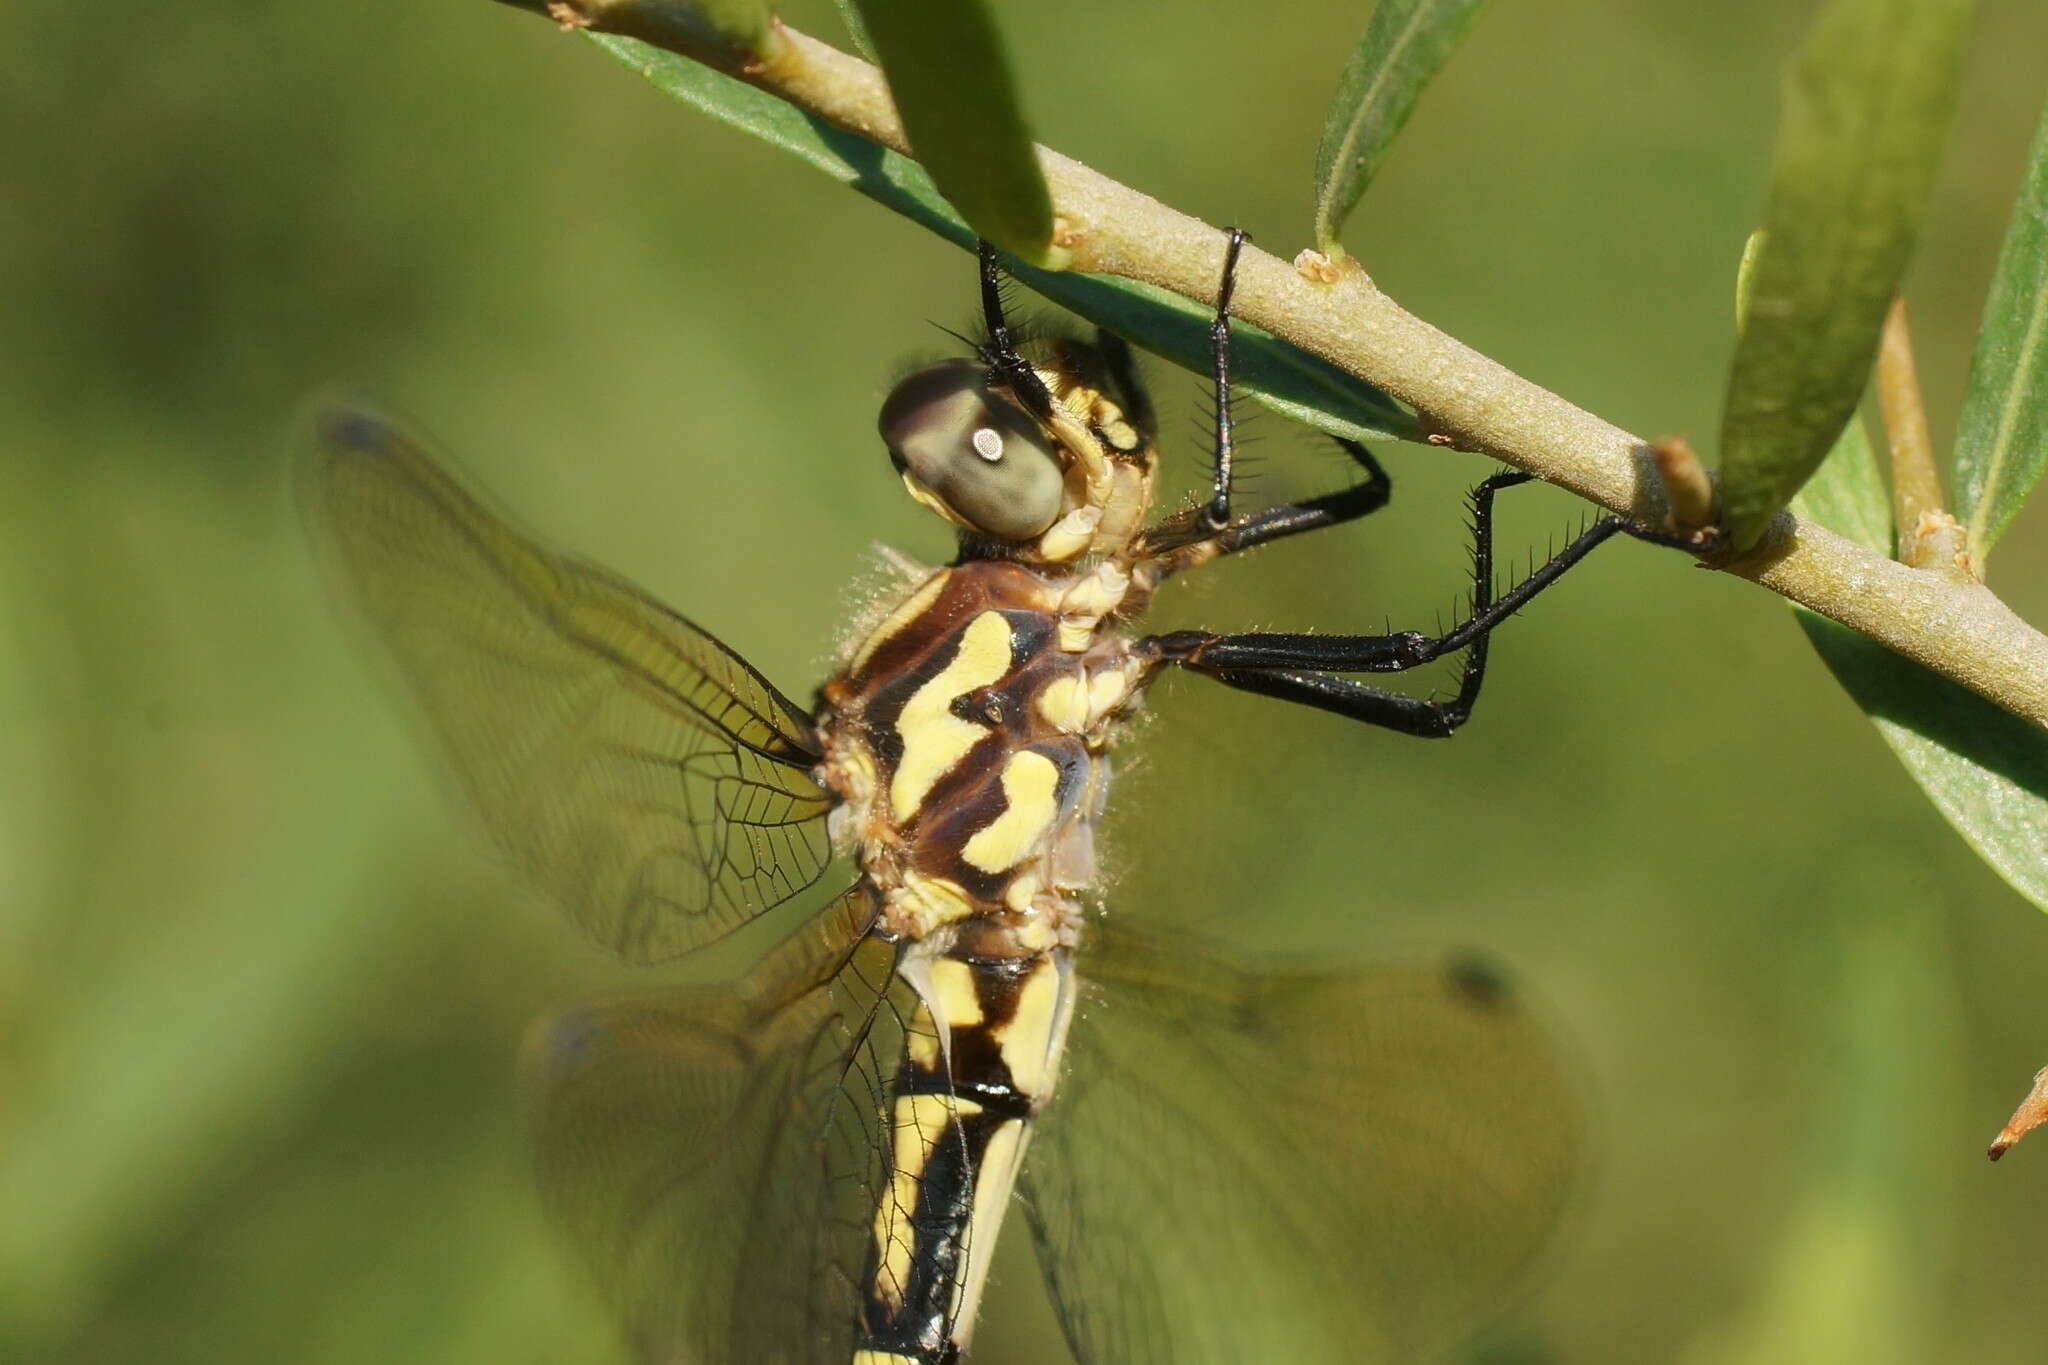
{"points": [[971, 453]]}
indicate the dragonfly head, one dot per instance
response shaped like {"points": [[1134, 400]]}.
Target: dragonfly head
{"points": [[967, 450], [1048, 488]]}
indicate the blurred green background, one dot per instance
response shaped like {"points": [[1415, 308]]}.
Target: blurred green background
{"points": [[259, 996]]}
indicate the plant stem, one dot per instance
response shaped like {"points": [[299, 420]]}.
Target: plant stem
{"points": [[1958, 628], [1929, 537], [1916, 487]]}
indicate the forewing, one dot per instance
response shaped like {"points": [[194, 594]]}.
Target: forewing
{"points": [[714, 1155], [1292, 1165], [642, 774]]}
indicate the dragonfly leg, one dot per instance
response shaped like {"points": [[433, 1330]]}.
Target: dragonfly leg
{"points": [[1006, 365], [1186, 540], [1422, 716], [1203, 533], [1300, 667], [1223, 453]]}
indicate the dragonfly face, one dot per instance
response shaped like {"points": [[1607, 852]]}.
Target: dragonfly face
{"points": [[1221, 1160]]}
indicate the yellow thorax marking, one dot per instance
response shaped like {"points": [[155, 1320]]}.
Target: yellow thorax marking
{"points": [[913, 607], [1091, 598], [1124, 506], [1106, 691], [1077, 703], [1037, 934], [920, 1123], [1068, 421], [1022, 890], [1071, 535], [1063, 704], [1031, 803], [1122, 435], [934, 739]]}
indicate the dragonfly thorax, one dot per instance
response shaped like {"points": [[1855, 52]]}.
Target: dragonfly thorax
{"points": [[968, 735]]}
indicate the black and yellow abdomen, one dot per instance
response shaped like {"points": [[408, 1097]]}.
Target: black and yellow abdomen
{"points": [[981, 1063]]}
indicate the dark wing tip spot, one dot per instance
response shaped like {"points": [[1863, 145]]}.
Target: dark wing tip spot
{"points": [[352, 429], [559, 1042], [1480, 981]]}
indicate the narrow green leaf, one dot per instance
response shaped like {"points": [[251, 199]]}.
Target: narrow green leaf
{"points": [[856, 29], [1867, 106], [1405, 45], [1301, 386], [1847, 494], [1745, 277], [1984, 769], [951, 81], [2002, 439]]}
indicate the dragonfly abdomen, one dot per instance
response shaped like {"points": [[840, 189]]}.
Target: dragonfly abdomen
{"points": [[979, 1063]]}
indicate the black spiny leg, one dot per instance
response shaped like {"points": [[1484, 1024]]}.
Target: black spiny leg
{"points": [[1300, 668], [1006, 367], [1218, 514], [1203, 533], [1424, 717], [1186, 539], [1313, 514]]}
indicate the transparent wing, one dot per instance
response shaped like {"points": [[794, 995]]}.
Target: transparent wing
{"points": [[714, 1154], [642, 774], [1248, 1165]]}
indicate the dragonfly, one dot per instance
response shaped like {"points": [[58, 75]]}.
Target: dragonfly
{"points": [[1221, 1156]]}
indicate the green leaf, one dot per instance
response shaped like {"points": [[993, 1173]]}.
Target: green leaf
{"points": [[952, 85], [1984, 769], [1867, 106], [1847, 494], [1406, 44], [1745, 277], [2002, 438], [856, 29], [1301, 386]]}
